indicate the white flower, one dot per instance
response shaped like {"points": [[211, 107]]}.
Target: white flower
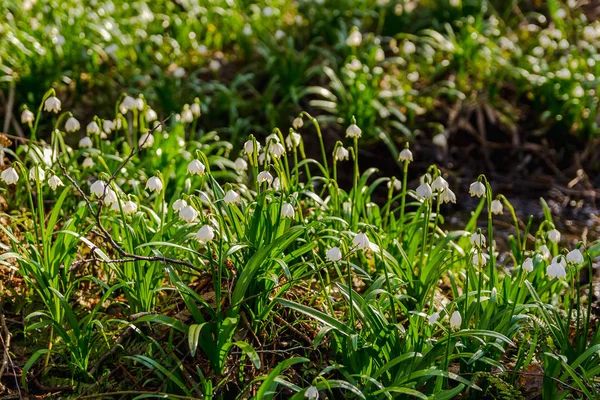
{"points": [[279, 34], [448, 196], [195, 109], [497, 207], [37, 174], [354, 39], [527, 265], [277, 150], [578, 91], [205, 234], [179, 72], [379, 55], [544, 252], [98, 188], [334, 254], [341, 154], [432, 319], [92, 128], [424, 191], [232, 197], [108, 125], [52, 104], [27, 117], [247, 30], [287, 210], [312, 393], [560, 260], [9, 176], [241, 165], [130, 207], [353, 131], [575, 256], [455, 320], [361, 242], [297, 123], [188, 214], [409, 47], [151, 115], [273, 137], [127, 104], [554, 236], [556, 270], [146, 140], [440, 140], [479, 260], [214, 65], [54, 182], [195, 167], [139, 103], [111, 197], [154, 184], [477, 239], [405, 155], [88, 162], [477, 189], [179, 204], [186, 114], [85, 142], [293, 140], [72, 125], [439, 184], [264, 176], [249, 147], [396, 183]]}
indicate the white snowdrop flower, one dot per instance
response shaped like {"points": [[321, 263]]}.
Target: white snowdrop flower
{"points": [[139, 103], [179, 72], [287, 210], [276, 184], [448, 196], [54, 182], [341, 154], [297, 123], [72, 125], [98, 188], [354, 39], [195, 109], [479, 260], [52, 104], [409, 47], [379, 55], [249, 147], [544, 252], [312, 393], [264, 176], [205, 234], [439, 184], [179, 205], [277, 150], [396, 183], [214, 65], [130, 207], [241, 165], [92, 128], [527, 265], [554, 236], [85, 142], [88, 162], [279, 34], [9, 176], [267, 12], [424, 191], [477, 189], [477, 239], [561, 13], [575, 256], [433, 318], [232, 197], [195, 167], [405, 155], [188, 214], [353, 131], [146, 140], [27, 117], [151, 115], [560, 260], [361, 241], [293, 140], [556, 270], [247, 30], [589, 33], [108, 125], [273, 137], [110, 197], [494, 292], [154, 184], [578, 91], [455, 3], [186, 114], [440, 140], [262, 156], [37, 174], [455, 320], [128, 103], [497, 207], [334, 254]]}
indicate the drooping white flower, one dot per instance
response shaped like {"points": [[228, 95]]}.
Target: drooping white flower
{"points": [[108, 125], [396, 183], [232, 197], [179, 72], [379, 55], [433, 318], [27, 117], [448, 196], [455, 320], [334, 254], [439, 184], [241, 165], [424, 191], [361, 241], [85, 142], [205, 234], [9, 176], [139, 103], [479, 259], [527, 265], [341, 154], [54, 182], [293, 140], [554, 236], [249, 147], [37, 174], [297, 123], [98, 188], [88, 162], [477, 239], [287, 210], [578, 91], [146, 140], [154, 184], [277, 150], [195, 109], [92, 128], [556, 270], [195, 167], [151, 115], [264, 176], [52, 104], [575, 256], [544, 252], [72, 125], [179, 205], [214, 65], [353, 131], [186, 114], [409, 47], [477, 189], [405, 155], [312, 393], [127, 104], [188, 214], [497, 207], [560, 260], [110, 197], [354, 39], [130, 207], [440, 140]]}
